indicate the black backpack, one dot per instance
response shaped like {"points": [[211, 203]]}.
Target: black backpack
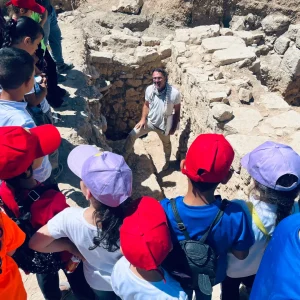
{"points": [[27, 259], [193, 263]]}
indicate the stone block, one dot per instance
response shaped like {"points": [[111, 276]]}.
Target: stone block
{"points": [[222, 112], [245, 95], [273, 101], [164, 51], [129, 6], [215, 96], [125, 59], [238, 23], [295, 142], [178, 49], [281, 45], [291, 61], [121, 40], [134, 82], [275, 23], [149, 41], [221, 42], [290, 119], [293, 31], [226, 32], [101, 57], [244, 121], [145, 54], [250, 37], [194, 36], [132, 93]]}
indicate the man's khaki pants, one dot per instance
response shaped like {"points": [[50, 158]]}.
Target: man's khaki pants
{"points": [[136, 133]]}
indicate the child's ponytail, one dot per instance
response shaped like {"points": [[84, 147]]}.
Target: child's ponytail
{"points": [[108, 222]]}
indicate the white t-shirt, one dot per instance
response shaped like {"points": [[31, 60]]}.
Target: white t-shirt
{"points": [[130, 287], [157, 107], [44, 104], [99, 262], [249, 266]]}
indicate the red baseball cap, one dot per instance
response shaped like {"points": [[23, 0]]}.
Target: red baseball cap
{"points": [[208, 159], [28, 4], [144, 236], [20, 147]]}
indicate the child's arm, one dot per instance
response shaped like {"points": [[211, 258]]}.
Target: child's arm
{"points": [[43, 242], [35, 99]]}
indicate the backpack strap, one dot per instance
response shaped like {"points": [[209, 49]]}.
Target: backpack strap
{"points": [[257, 220], [178, 220], [217, 218]]}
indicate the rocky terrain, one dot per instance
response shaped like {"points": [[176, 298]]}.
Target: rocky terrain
{"points": [[242, 80]]}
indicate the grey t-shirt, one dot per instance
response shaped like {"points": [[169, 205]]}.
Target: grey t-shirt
{"points": [[157, 108]]}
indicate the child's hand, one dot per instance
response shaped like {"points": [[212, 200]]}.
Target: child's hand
{"points": [[43, 83]]}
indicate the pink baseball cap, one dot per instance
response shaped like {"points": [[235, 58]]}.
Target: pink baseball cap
{"points": [[105, 174]]}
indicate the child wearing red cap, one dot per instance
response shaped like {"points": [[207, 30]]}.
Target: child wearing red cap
{"points": [[207, 164], [145, 242], [11, 237]]}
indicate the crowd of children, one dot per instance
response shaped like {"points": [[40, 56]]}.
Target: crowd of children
{"points": [[124, 248]]}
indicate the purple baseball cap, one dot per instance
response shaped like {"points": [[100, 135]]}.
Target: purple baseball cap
{"points": [[105, 174], [269, 161]]}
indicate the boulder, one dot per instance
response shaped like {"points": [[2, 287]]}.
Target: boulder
{"points": [[222, 112], [291, 61], [273, 101], [232, 55], [221, 42], [250, 37], [129, 6], [197, 34], [145, 54], [149, 41], [101, 57], [281, 45], [244, 121], [237, 23], [245, 95], [275, 23], [164, 51], [293, 31]]}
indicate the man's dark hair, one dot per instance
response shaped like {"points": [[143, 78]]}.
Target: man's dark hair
{"points": [[16, 67], [162, 71]]}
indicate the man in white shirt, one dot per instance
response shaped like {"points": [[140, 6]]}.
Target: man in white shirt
{"points": [[161, 100]]}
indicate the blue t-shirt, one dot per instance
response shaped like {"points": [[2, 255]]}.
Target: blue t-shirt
{"points": [[279, 272], [233, 231]]}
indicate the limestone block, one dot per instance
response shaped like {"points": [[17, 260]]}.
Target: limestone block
{"points": [[215, 96], [101, 57], [250, 37], [293, 31], [289, 119], [238, 23], [164, 51], [149, 41], [211, 87], [275, 23], [298, 40], [121, 40], [178, 49], [291, 61], [244, 121], [245, 95], [146, 54], [134, 82], [221, 42], [281, 45], [222, 112], [232, 55], [197, 34], [226, 32], [273, 101], [125, 59], [129, 6]]}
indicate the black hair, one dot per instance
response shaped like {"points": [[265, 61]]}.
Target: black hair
{"points": [[283, 199], [108, 222], [204, 186], [15, 182], [16, 30], [162, 71], [16, 67], [2, 27]]}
